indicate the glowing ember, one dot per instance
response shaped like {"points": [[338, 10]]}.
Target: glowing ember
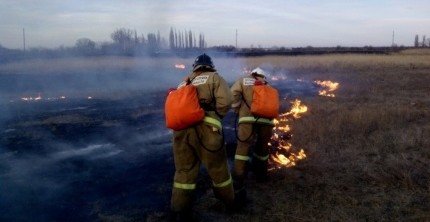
{"points": [[38, 97], [180, 66], [329, 87], [282, 150]]}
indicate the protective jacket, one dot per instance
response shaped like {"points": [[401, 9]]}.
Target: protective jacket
{"points": [[251, 131], [203, 143], [213, 93]]}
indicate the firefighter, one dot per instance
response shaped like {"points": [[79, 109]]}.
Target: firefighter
{"points": [[202, 143], [251, 131]]}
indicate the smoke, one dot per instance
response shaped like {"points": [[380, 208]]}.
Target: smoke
{"points": [[78, 157]]}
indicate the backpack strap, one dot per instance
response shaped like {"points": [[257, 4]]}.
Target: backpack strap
{"points": [[243, 97]]}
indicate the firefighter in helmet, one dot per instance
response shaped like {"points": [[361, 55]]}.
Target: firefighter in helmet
{"points": [[251, 130], [202, 143]]}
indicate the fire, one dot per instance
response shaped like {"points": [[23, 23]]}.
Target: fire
{"points": [[296, 110], [329, 87], [282, 149], [40, 98], [180, 66], [30, 98]]}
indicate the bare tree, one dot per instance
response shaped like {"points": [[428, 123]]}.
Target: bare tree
{"points": [[158, 39], [186, 39], [176, 39], [180, 39], [171, 39], [152, 42], [183, 39], [136, 39], [416, 44], [190, 39], [195, 41], [123, 37], [85, 46]]}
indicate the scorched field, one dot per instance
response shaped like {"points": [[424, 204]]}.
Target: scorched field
{"points": [[84, 139]]}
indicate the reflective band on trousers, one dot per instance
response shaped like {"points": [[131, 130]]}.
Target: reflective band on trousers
{"points": [[241, 157], [212, 121], [223, 184], [184, 186], [262, 158], [251, 119]]}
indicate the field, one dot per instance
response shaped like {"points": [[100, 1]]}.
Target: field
{"points": [[368, 148]]}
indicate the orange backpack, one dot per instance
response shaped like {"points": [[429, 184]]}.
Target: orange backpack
{"points": [[182, 108], [265, 101]]}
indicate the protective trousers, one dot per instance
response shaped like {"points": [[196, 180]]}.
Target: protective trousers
{"points": [[191, 147], [248, 133]]}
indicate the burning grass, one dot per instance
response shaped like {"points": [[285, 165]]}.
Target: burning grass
{"points": [[367, 149]]}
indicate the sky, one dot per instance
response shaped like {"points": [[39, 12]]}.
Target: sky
{"points": [[298, 23]]}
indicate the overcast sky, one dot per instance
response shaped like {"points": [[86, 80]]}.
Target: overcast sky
{"points": [[266, 23]]}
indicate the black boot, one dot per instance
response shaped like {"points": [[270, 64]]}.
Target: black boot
{"points": [[240, 199], [182, 216], [260, 170]]}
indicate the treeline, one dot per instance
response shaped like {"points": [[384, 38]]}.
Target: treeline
{"points": [[128, 42], [424, 43], [125, 42], [185, 40]]}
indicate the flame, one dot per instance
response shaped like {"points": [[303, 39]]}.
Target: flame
{"points": [[30, 98], [282, 150], [296, 110], [40, 98], [180, 66], [329, 87]]}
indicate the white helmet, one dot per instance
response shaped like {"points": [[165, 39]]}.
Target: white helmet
{"points": [[259, 71]]}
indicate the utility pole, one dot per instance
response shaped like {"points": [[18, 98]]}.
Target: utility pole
{"points": [[392, 42], [23, 38], [236, 38]]}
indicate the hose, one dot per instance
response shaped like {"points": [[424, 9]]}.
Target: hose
{"points": [[204, 147], [235, 129]]}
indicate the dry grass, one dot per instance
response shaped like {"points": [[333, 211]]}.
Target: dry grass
{"points": [[369, 148]]}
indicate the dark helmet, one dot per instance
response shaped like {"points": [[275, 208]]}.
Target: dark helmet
{"points": [[203, 61]]}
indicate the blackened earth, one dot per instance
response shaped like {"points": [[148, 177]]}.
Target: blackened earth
{"points": [[82, 159]]}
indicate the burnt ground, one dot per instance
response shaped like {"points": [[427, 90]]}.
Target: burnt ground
{"points": [[90, 159]]}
